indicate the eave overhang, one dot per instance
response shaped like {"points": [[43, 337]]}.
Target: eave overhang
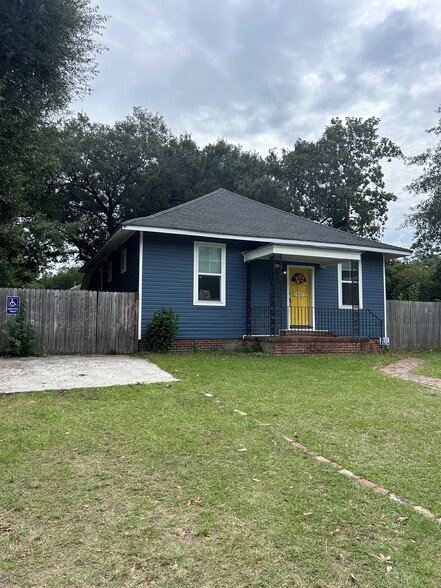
{"points": [[388, 251], [316, 255]]}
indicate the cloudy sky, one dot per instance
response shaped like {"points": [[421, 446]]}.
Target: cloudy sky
{"points": [[263, 73]]}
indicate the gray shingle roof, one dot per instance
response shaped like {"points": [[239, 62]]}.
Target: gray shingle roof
{"points": [[226, 213]]}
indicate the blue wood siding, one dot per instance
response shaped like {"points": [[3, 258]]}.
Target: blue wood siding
{"points": [[126, 282], [168, 281]]}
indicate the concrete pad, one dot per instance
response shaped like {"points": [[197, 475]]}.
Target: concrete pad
{"points": [[63, 372]]}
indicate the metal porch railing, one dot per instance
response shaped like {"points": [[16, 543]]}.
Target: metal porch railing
{"points": [[263, 320]]}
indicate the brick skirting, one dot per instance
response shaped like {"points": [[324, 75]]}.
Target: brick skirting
{"points": [[207, 344], [298, 345], [284, 345]]}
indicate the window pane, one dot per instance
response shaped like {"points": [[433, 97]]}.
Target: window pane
{"points": [[209, 288], [346, 290], [346, 271], [210, 260]]}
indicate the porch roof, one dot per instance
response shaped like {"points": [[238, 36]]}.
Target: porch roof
{"points": [[317, 255]]}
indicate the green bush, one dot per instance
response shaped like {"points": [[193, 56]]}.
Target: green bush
{"points": [[21, 337], [162, 330]]}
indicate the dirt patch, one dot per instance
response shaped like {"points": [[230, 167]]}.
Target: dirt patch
{"points": [[64, 372], [403, 369]]}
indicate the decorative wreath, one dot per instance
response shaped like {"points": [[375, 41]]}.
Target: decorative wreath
{"points": [[298, 278]]}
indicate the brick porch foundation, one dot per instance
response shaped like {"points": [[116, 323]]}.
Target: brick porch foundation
{"points": [[315, 344], [284, 345]]}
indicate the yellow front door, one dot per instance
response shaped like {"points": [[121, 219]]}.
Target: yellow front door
{"points": [[300, 297]]}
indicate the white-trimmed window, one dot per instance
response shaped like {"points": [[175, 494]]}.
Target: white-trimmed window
{"points": [[109, 271], [209, 274], [345, 285], [124, 261]]}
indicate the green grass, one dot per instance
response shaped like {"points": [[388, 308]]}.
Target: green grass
{"points": [[431, 366], [144, 485]]}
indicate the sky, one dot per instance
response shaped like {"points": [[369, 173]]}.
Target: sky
{"points": [[264, 73]]}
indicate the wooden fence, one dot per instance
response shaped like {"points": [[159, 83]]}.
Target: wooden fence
{"points": [[414, 325], [77, 321]]}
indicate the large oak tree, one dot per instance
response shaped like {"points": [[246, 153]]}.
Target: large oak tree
{"points": [[338, 180], [47, 57]]}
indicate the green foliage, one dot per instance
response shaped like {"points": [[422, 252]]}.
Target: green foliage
{"points": [[47, 57], [417, 279], [338, 180], [162, 330], [63, 280], [21, 337], [426, 216]]}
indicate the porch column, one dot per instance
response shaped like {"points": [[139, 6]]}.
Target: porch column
{"points": [[275, 293], [248, 298], [355, 299]]}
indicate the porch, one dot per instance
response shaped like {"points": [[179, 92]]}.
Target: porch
{"points": [[292, 320]]}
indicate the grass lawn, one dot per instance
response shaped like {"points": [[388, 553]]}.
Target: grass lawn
{"points": [[431, 366], [147, 486]]}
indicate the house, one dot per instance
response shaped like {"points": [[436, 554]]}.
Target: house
{"points": [[235, 270]]}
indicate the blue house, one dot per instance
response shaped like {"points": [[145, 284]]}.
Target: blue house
{"points": [[235, 270]]}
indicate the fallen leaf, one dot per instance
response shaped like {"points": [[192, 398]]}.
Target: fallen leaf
{"points": [[6, 529], [382, 557], [242, 449], [196, 501], [306, 514], [353, 578], [256, 480], [400, 520], [389, 569]]}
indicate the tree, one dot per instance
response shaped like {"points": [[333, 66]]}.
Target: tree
{"points": [[108, 174], [65, 279], [224, 165], [137, 167], [47, 56], [338, 180], [414, 279], [426, 216]]}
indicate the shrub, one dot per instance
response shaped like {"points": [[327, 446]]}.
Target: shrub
{"points": [[21, 336], [162, 330]]}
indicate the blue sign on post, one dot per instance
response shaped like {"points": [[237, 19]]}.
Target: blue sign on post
{"points": [[12, 304]]}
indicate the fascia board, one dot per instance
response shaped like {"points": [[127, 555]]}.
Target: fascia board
{"points": [[395, 252], [306, 253]]}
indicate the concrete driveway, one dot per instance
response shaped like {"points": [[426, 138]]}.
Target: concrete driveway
{"points": [[63, 372]]}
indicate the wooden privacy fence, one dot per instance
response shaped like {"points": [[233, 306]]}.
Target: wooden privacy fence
{"points": [[77, 321], [414, 325]]}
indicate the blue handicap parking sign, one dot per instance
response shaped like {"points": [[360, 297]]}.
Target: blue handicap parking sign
{"points": [[12, 304]]}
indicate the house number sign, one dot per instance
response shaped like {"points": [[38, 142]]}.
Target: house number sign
{"points": [[299, 294]]}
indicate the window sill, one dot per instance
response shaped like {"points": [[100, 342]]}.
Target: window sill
{"points": [[208, 303]]}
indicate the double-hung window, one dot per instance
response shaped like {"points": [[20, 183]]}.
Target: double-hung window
{"points": [[209, 274], [346, 285]]}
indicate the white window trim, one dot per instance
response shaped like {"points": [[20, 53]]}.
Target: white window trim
{"points": [[360, 287], [222, 301], [124, 260], [109, 271]]}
